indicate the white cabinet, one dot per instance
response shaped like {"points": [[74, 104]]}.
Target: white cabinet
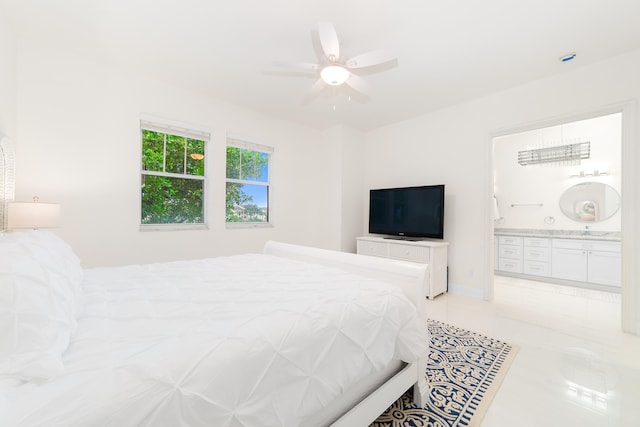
{"points": [[569, 264], [526, 255], [536, 256], [578, 260], [604, 268], [422, 251], [510, 254], [588, 261]]}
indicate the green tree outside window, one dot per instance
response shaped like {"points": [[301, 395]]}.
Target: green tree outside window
{"points": [[247, 193], [172, 186]]}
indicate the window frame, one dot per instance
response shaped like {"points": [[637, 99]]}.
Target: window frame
{"points": [[241, 143], [181, 130]]}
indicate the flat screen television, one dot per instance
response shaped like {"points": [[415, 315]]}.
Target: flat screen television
{"points": [[407, 212]]}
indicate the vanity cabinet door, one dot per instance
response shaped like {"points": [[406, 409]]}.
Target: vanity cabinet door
{"points": [[569, 264], [604, 268]]}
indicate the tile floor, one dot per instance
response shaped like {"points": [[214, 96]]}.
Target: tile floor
{"points": [[574, 366]]}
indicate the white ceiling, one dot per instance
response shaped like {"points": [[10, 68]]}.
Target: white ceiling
{"points": [[448, 51]]}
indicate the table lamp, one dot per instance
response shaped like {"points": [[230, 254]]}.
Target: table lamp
{"points": [[33, 215]]}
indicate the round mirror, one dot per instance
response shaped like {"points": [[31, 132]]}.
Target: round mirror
{"points": [[590, 202]]}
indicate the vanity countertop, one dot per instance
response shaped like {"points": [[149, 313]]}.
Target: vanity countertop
{"points": [[560, 234]]}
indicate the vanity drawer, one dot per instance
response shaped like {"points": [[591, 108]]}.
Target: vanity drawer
{"points": [[536, 254], [537, 242], [536, 268], [592, 245], [509, 251], [510, 240], [510, 265]]}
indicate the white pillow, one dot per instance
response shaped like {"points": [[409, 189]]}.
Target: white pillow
{"points": [[40, 294], [56, 257]]}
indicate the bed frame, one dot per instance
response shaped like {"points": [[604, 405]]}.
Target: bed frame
{"points": [[364, 406]]}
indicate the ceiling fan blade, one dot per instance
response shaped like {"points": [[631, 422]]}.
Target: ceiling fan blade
{"points": [[329, 40], [305, 66], [314, 91], [370, 58], [358, 84], [317, 87]]}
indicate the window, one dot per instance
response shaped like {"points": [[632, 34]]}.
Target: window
{"points": [[247, 182], [173, 177]]}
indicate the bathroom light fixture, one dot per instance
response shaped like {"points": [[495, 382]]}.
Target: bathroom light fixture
{"points": [[560, 153], [587, 173], [334, 75]]}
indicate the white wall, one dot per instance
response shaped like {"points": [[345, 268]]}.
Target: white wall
{"points": [[453, 147], [7, 76], [436, 149], [353, 192], [343, 174], [78, 126], [545, 183]]}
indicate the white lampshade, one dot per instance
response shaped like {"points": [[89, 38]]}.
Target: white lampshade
{"points": [[33, 215], [334, 75]]}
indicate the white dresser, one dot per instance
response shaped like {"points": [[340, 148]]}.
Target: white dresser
{"points": [[433, 253]]}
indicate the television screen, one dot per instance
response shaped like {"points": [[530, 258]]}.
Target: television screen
{"points": [[407, 212]]}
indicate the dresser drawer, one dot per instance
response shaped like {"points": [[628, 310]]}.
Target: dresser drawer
{"points": [[372, 248], [409, 253], [432, 253]]}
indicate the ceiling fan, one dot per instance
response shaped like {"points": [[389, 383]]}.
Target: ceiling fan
{"points": [[335, 70]]}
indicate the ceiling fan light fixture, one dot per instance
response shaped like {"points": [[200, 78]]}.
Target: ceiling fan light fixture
{"points": [[334, 75]]}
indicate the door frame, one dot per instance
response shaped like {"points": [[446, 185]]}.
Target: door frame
{"points": [[630, 321]]}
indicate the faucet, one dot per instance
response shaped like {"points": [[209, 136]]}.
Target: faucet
{"points": [[586, 230]]}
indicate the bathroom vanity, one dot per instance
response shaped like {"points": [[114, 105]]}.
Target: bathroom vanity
{"points": [[579, 257], [568, 257]]}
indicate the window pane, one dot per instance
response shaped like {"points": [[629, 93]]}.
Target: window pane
{"points": [[253, 163], [233, 162], [152, 150], [262, 167], [195, 157], [247, 165], [247, 203], [175, 154], [171, 200]]}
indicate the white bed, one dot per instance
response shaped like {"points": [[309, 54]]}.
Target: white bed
{"points": [[294, 336], [247, 340]]}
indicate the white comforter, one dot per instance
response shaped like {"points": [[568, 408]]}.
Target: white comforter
{"points": [[248, 340]]}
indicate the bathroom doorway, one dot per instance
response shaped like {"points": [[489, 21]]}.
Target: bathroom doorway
{"points": [[557, 207]]}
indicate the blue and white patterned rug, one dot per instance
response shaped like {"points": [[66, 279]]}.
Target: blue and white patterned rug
{"points": [[464, 371]]}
